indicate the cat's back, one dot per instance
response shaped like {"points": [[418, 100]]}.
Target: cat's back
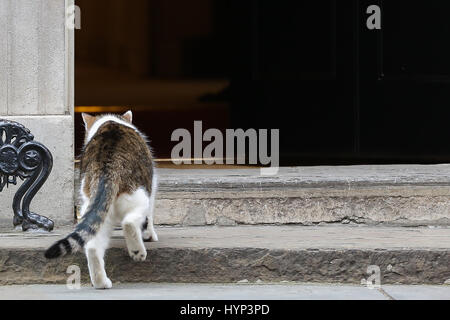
{"points": [[120, 152]]}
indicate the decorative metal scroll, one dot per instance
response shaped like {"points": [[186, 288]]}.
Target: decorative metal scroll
{"points": [[21, 156]]}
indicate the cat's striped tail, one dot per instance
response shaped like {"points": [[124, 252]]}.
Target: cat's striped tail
{"points": [[90, 224]]}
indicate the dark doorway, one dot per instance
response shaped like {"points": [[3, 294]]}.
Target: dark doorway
{"points": [[339, 92], [156, 57]]}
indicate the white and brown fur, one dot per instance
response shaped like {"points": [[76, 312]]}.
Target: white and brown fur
{"points": [[118, 186]]}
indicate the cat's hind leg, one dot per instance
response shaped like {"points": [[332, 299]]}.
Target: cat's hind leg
{"points": [[148, 230], [133, 235], [133, 208], [95, 252], [149, 233]]}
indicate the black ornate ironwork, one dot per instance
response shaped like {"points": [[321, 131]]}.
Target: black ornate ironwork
{"points": [[21, 156]]}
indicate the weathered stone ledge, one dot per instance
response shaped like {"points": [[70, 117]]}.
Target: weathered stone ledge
{"points": [[270, 254], [400, 195]]}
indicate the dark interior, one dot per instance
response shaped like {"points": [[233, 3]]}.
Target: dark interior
{"points": [[339, 92]]}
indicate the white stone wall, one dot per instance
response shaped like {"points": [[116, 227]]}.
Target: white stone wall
{"points": [[36, 89]]}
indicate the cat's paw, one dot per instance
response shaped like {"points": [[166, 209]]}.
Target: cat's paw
{"points": [[138, 255], [101, 285]]}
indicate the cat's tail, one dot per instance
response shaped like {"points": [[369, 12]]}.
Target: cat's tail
{"points": [[90, 224]]}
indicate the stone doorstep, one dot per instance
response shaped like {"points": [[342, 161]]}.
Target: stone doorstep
{"points": [[394, 195], [325, 254], [399, 195]]}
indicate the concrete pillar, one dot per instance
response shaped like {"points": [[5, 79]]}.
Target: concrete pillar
{"points": [[36, 89]]}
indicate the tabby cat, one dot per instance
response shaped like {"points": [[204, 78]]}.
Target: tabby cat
{"points": [[118, 186]]}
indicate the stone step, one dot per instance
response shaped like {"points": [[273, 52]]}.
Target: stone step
{"points": [[325, 254], [400, 195], [397, 195]]}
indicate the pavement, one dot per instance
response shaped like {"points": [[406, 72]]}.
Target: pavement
{"points": [[320, 254], [164, 291]]}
